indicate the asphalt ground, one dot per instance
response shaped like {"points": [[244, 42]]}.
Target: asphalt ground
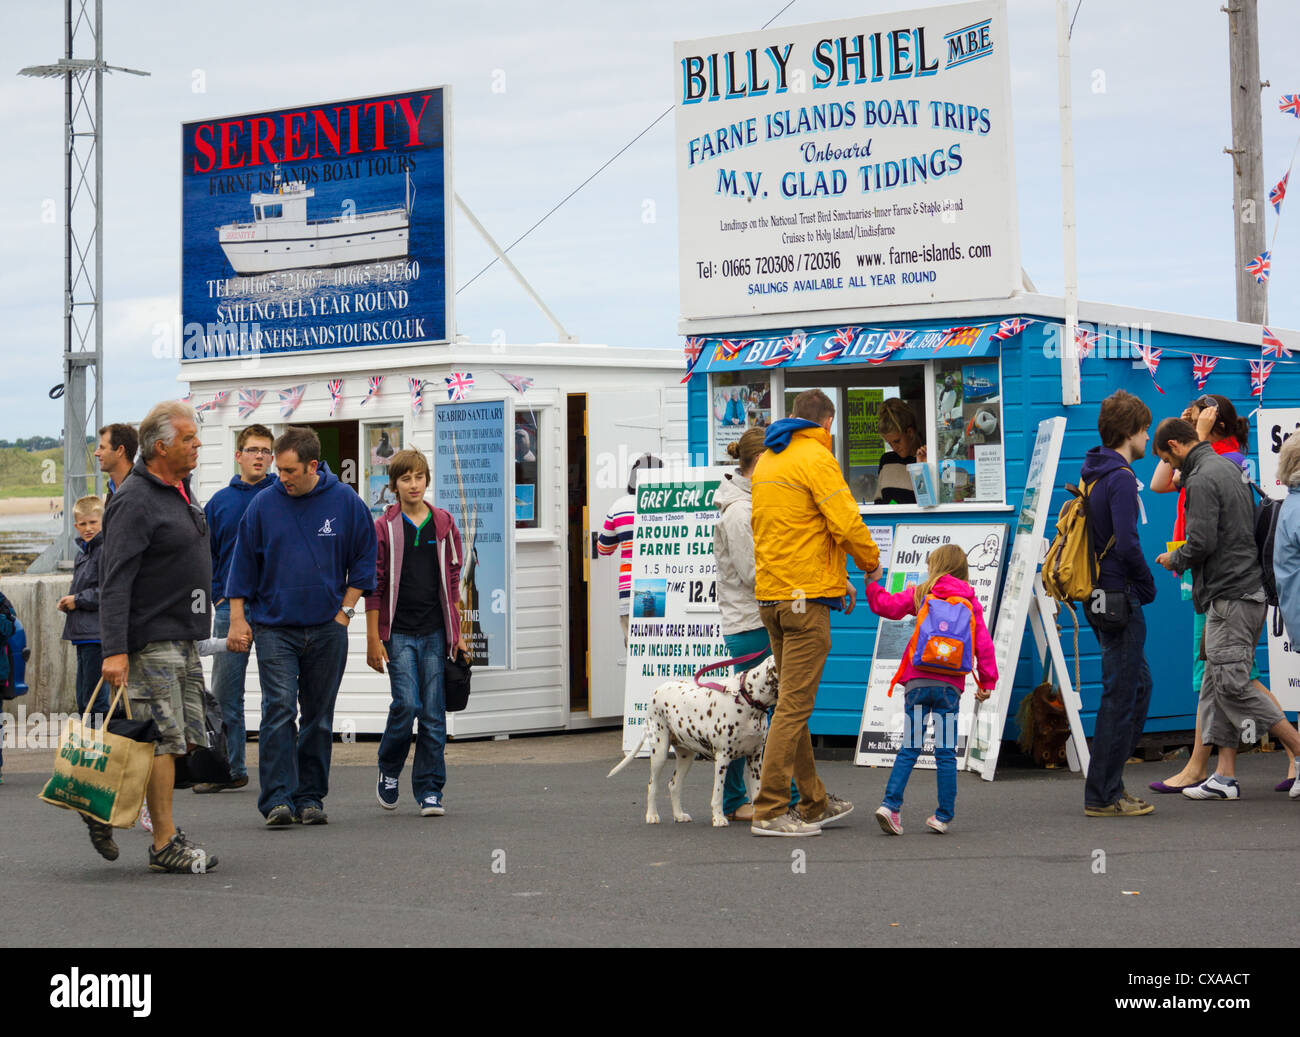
{"points": [[534, 852]]}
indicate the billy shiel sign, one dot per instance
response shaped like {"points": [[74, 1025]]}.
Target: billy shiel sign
{"points": [[865, 162], [318, 227], [675, 625]]}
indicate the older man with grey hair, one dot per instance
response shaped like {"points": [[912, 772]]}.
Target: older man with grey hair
{"points": [[1286, 539], [154, 588]]}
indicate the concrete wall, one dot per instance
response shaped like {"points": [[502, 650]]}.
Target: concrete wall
{"points": [[52, 668]]}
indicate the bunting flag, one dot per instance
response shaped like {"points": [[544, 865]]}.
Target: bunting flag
{"points": [[249, 401], [1290, 103], [189, 393], [1151, 357], [1278, 193], [1084, 341], [1259, 372], [729, 347], [895, 340], [417, 394], [838, 343], [335, 386], [1260, 266], [212, 404], [694, 349], [290, 398], [1202, 368], [522, 383], [374, 382], [1273, 345], [966, 336], [787, 350], [1009, 329], [458, 385]]}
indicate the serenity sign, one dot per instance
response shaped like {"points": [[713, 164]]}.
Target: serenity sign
{"points": [[865, 162]]}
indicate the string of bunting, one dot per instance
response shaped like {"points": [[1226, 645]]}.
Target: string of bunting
{"points": [[374, 382]]}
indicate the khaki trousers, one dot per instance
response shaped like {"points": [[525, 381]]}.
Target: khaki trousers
{"points": [[801, 640]]}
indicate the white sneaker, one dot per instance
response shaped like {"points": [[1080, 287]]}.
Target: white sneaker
{"points": [[1214, 787]]}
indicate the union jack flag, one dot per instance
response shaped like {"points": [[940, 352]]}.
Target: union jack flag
{"points": [[1260, 267], [788, 348], [1278, 192], [212, 404], [1273, 345], [1290, 103], [1202, 368], [417, 393], [374, 382], [522, 383], [1259, 372], [335, 386], [290, 398], [694, 349], [1009, 329], [1084, 341], [249, 399], [838, 343], [894, 340], [1151, 357], [729, 347], [458, 385]]}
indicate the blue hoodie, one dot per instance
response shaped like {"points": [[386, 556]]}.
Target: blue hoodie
{"points": [[295, 556], [1113, 510], [224, 512], [778, 434]]}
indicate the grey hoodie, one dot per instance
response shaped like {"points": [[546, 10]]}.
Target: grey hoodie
{"points": [[733, 550], [1220, 548]]}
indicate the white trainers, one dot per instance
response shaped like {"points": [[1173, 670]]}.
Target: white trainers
{"points": [[788, 824], [1214, 787], [891, 822], [935, 825]]}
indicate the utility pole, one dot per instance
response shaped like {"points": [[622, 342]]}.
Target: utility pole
{"points": [[1247, 151], [83, 251]]}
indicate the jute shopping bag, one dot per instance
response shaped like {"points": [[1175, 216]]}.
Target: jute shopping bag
{"points": [[100, 773]]}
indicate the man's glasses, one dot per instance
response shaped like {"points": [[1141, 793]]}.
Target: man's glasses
{"points": [[257, 451]]}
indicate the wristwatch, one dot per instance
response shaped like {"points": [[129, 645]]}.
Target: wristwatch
{"points": [[349, 612]]}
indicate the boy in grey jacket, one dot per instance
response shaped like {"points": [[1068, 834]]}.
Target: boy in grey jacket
{"points": [[1228, 588]]}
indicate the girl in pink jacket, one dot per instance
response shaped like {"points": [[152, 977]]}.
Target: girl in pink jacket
{"points": [[933, 677]]}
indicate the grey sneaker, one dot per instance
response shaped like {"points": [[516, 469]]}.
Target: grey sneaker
{"points": [[313, 815], [788, 824], [280, 817], [101, 838], [836, 809], [181, 857]]}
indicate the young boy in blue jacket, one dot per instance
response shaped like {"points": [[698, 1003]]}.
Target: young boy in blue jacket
{"points": [[81, 604]]}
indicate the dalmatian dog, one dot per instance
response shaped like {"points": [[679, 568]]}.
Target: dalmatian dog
{"points": [[720, 725]]}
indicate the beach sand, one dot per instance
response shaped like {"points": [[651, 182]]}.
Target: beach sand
{"points": [[30, 505]]}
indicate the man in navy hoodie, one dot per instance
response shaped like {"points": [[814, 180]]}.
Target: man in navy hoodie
{"points": [[224, 512], [1124, 582], [305, 554]]}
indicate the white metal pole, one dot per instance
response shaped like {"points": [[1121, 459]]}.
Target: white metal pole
{"points": [[1070, 376]]}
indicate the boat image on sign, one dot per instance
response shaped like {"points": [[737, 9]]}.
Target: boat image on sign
{"points": [[280, 237]]}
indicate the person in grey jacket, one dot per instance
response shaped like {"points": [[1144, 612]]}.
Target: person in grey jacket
{"points": [[1228, 588], [81, 605]]}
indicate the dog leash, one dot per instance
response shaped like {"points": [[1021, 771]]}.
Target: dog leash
{"points": [[731, 662]]}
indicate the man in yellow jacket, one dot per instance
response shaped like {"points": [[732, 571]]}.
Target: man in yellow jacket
{"points": [[804, 520]]}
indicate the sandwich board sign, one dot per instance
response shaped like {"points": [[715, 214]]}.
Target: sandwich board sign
{"points": [[881, 731], [1017, 596]]}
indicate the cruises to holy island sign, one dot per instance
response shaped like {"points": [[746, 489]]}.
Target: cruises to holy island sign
{"points": [[865, 162], [318, 227]]}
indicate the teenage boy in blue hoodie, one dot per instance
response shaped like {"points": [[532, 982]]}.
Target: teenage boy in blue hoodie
{"points": [[305, 555], [224, 512], [1114, 509]]}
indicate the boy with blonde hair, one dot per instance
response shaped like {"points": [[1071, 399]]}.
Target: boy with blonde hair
{"points": [[81, 603]]}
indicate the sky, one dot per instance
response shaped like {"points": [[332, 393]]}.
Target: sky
{"points": [[542, 96]]}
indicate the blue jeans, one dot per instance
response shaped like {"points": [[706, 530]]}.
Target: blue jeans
{"points": [[300, 669], [734, 793], [942, 702], [1122, 712], [90, 661], [415, 668], [228, 670]]}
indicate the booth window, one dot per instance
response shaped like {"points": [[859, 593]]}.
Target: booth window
{"points": [[739, 400], [963, 445], [380, 441], [528, 448]]}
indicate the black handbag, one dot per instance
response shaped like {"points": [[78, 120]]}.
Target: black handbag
{"points": [[456, 674], [1107, 610], [210, 763]]}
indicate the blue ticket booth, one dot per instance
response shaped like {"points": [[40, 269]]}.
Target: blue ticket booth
{"points": [[978, 395]]}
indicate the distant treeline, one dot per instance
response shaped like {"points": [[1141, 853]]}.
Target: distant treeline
{"points": [[39, 442]]}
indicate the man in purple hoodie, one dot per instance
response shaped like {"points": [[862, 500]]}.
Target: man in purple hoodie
{"points": [[304, 557], [1124, 585]]}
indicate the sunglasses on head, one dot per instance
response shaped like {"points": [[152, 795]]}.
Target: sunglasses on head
{"points": [[1206, 402]]}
